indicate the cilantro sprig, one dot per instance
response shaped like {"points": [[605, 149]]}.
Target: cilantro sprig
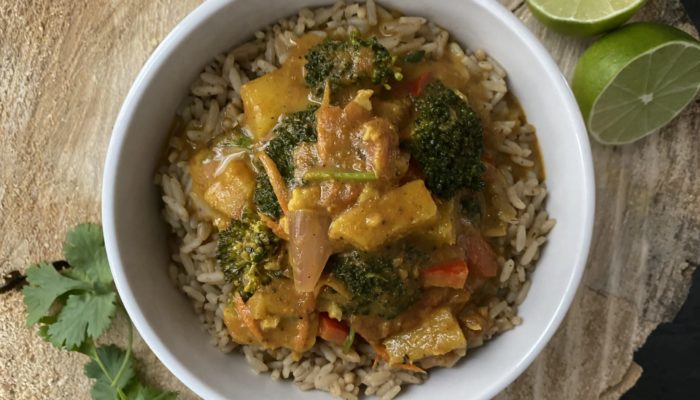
{"points": [[75, 306]]}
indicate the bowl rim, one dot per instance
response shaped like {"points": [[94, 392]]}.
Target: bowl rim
{"points": [[168, 46]]}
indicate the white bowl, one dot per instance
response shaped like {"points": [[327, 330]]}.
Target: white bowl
{"points": [[136, 235]]}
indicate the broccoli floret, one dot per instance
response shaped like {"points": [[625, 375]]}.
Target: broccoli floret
{"points": [[343, 63], [264, 196], [377, 287], [447, 142], [292, 130], [414, 57], [247, 252]]}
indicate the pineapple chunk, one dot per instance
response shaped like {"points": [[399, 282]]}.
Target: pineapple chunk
{"points": [[438, 334], [370, 224], [278, 92], [284, 315], [232, 191], [236, 327], [305, 198], [444, 232], [229, 191]]}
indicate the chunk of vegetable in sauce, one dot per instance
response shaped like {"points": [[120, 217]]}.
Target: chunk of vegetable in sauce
{"points": [[438, 334], [480, 255], [373, 222], [247, 253], [279, 92], [372, 284], [225, 184], [332, 330], [309, 247], [264, 197], [447, 141], [451, 274], [444, 231], [339, 64], [281, 316], [293, 130]]}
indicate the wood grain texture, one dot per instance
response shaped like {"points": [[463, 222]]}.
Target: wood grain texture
{"points": [[67, 66], [644, 251]]}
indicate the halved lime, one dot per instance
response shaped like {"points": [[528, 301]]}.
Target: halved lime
{"points": [[583, 17], [636, 80]]}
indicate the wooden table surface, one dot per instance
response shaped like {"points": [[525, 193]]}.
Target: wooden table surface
{"points": [[67, 66]]}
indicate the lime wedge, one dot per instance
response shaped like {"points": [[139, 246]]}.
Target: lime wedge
{"points": [[583, 17], [635, 80]]}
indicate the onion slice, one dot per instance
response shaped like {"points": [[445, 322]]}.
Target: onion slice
{"points": [[309, 247]]}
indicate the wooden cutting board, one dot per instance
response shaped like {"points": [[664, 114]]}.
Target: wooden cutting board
{"points": [[66, 68]]}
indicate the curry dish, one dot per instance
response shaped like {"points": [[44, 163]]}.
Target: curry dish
{"points": [[363, 197]]}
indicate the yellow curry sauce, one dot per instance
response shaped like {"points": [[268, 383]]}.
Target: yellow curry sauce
{"points": [[361, 129]]}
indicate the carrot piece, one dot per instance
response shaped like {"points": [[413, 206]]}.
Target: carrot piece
{"points": [[452, 274], [416, 86], [349, 341], [331, 330], [276, 180], [247, 317]]}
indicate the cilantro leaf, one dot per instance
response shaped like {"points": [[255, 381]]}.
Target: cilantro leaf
{"points": [[45, 285], [88, 303], [347, 344], [117, 373], [141, 392], [44, 324], [83, 314], [84, 250], [102, 390]]}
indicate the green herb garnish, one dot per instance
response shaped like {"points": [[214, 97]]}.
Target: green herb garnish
{"points": [[320, 175], [347, 344], [414, 57], [76, 306]]}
